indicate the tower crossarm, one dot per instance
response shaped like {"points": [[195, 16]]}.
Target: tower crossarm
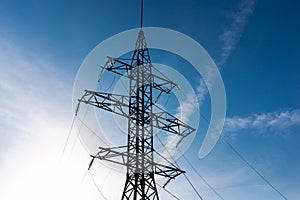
{"points": [[110, 102], [120, 67], [119, 104], [114, 156], [111, 155], [167, 171], [167, 122], [163, 84]]}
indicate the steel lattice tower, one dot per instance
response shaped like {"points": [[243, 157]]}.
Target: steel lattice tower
{"points": [[137, 107], [140, 173]]}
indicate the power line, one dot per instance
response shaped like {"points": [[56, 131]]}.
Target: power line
{"points": [[100, 192], [191, 184], [196, 173], [92, 131], [192, 165], [111, 84], [81, 142], [245, 160], [67, 140], [170, 193], [202, 177], [253, 168], [242, 157], [70, 131], [79, 129]]}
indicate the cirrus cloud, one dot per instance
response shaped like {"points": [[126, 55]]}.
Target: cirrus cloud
{"points": [[233, 32], [273, 120]]}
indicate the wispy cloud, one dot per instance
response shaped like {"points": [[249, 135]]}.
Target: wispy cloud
{"points": [[35, 113], [187, 107], [30, 87], [234, 30], [236, 181], [202, 91], [184, 113], [277, 121]]}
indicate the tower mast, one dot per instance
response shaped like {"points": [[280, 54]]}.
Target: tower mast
{"points": [[137, 107]]}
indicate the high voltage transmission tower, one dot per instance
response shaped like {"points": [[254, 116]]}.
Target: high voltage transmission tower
{"points": [[137, 107]]}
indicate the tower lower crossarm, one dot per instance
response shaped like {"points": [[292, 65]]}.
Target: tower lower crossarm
{"points": [[120, 158]]}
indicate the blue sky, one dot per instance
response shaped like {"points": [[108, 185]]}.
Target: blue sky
{"points": [[254, 43]]}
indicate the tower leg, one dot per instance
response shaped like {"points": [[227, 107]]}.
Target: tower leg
{"points": [[135, 187]]}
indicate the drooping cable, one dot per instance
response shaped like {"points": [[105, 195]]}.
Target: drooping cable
{"points": [[164, 158], [123, 85], [191, 184], [100, 192], [253, 168], [202, 178], [84, 176], [245, 160], [170, 193], [79, 129], [162, 74], [92, 131], [67, 140], [242, 157], [111, 84], [70, 130]]}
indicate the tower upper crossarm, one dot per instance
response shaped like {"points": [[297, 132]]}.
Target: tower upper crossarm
{"points": [[119, 66], [123, 67]]}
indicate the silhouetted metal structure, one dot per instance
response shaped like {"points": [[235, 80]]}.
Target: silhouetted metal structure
{"points": [[137, 107]]}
